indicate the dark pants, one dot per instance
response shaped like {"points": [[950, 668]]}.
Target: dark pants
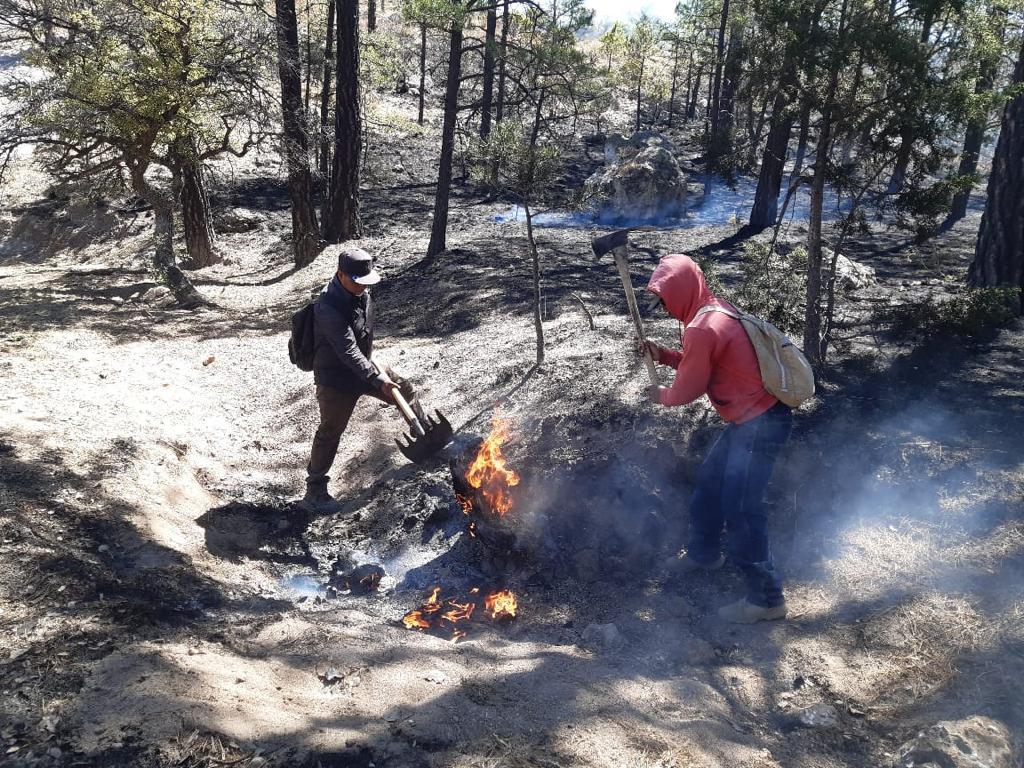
{"points": [[336, 407], [730, 495]]}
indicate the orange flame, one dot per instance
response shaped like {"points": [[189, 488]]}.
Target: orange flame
{"points": [[489, 472], [501, 604], [466, 505], [415, 620], [433, 604], [459, 611]]}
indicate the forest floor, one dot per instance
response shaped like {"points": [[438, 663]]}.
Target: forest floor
{"points": [[163, 603]]}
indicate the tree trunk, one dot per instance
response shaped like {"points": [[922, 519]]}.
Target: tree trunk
{"points": [[538, 323], [801, 142], [908, 133], [974, 138], [902, 163], [487, 101], [773, 162], [423, 71], [164, 261], [342, 221], [764, 212], [499, 108], [691, 108], [439, 226], [721, 138], [675, 82], [812, 312], [200, 241], [715, 97], [371, 15], [639, 94], [689, 84], [999, 255], [305, 243], [325, 105]]}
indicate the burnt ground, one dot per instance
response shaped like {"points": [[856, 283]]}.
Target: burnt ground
{"points": [[165, 604]]}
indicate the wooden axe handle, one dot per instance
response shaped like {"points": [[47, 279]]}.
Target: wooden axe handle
{"points": [[622, 265]]}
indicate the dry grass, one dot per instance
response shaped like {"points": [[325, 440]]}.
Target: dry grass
{"points": [[929, 632]]}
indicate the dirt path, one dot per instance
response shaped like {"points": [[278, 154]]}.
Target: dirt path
{"points": [[163, 604]]}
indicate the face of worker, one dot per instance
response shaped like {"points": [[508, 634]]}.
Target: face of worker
{"points": [[349, 285]]}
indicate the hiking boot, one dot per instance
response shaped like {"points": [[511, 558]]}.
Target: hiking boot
{"points": [[683, 563], [318, 501], [745, 612]]}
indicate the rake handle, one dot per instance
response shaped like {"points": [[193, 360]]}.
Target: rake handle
{"points": [[407, 412]]}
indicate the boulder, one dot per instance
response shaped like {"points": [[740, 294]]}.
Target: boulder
{"points": [[850, 276], [238, 220], [642, 181], [618, 148], [603, 637], [976, 742]]}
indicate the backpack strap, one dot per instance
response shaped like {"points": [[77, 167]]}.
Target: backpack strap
{"points": [[715, 308]]}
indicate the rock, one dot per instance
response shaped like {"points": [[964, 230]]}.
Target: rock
{"points": [[238, 220], [437, 677], [618, 148], [976, 742], [696, 652], [642, 181], [603, 637], [818, 716], [362, 580], [158, 293], [850, 276]]}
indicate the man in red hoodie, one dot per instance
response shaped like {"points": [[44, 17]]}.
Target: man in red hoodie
{"points": [[718, 359]]}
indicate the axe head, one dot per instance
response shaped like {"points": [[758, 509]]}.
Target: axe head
{"points": [[608, 243]]}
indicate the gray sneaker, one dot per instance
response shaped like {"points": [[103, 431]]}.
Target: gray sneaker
{"points": [[318, 501], [745, 612]]}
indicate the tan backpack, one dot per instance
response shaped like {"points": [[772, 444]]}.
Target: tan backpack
{"points": [[784, 370]]}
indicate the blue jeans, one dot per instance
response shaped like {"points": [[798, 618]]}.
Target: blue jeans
{"points": [[730, 496]]}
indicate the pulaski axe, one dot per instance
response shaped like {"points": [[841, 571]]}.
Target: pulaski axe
{"points": [[616, 244]]}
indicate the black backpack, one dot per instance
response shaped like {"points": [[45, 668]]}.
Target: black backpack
{"points": [[302, 343]]}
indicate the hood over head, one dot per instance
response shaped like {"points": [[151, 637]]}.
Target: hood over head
{"points": [[680, 283]]}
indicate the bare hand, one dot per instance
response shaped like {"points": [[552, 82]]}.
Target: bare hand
{"points": [[388, 389], [654, 393], [647, 347]]}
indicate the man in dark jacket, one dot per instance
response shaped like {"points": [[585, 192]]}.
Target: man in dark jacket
{"points": [[342, 366]]}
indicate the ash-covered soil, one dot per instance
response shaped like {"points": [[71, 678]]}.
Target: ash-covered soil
{"points": [[164, 603]]}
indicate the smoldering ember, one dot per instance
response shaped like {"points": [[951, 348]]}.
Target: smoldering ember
{"points": [[515, 384]]}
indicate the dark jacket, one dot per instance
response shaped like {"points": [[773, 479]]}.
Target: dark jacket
{"points": [[343, 334]]}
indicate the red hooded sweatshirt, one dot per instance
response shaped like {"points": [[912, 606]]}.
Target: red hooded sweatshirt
{"points": [[717, 358]]}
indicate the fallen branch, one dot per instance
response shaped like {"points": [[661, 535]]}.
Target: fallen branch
{"points": [[590, 317]]}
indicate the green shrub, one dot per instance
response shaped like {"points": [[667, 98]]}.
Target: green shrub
{"points": [[774, 285], [968, 314]]}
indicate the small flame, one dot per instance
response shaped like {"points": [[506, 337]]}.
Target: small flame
{"points": [[415, 620], [433, 604], [459, 611], [442, 615], [465, 504], [501, 604], [489, 472]]}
